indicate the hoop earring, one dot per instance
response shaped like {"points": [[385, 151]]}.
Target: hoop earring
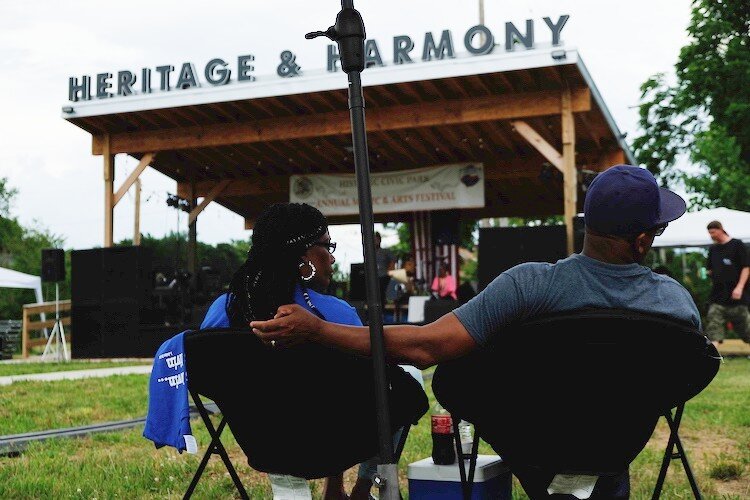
{"points": [[312, 270]]}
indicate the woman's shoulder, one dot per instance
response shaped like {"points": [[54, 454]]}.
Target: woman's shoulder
{"points": [[329, 300], [216, 316], [334, 309]]}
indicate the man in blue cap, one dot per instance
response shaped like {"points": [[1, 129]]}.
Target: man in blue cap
{"points": [[624, 211]]}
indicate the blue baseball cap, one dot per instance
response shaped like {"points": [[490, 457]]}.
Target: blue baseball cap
{"points": [[625, 199]]}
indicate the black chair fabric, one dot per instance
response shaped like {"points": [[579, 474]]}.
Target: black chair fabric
{"points": [[307, 411], [579, 392]]}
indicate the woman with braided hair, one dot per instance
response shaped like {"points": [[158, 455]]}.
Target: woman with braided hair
{"points": [[290, 260]]}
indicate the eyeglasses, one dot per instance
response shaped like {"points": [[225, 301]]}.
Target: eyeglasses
{"points": [[659, 230], [329, 245]]}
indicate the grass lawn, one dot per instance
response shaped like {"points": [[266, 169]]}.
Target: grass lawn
{"points": [[715, 432], [7, 369]]}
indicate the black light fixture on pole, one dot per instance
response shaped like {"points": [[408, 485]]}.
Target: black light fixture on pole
{"points": [[349, 34]]}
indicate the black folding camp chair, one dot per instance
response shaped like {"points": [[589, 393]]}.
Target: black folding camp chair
{"points": [[306, 411], [580, 392]]}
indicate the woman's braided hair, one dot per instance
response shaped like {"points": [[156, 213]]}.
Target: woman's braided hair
{"points": [[267, 278]]}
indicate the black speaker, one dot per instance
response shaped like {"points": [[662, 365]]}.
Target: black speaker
{"points": [[111, 292], [437, 308], [86, 302], [501, 248], [357, 289], [446, 227], [53, 265]]}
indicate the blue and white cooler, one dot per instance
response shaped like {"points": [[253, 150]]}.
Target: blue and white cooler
{"points": [[492, 480]]}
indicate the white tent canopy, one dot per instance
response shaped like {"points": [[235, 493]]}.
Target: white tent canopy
{"points": [[690, 229], [14, 279]]}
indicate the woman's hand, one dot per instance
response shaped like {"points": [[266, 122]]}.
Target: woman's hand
{"points": [[291, 325]]}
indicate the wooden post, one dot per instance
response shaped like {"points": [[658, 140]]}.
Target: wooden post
{"points": [[25, 334], [570, 176], [137, 224], [109, 195]]}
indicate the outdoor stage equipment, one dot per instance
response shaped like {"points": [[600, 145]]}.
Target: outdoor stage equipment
{"points": [[349, 34], [53, 270], [112, 311], [53, 265]]}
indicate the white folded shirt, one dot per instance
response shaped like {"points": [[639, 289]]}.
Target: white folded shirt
{"points": [[580, 487]]}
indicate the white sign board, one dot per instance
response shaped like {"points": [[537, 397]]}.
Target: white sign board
{"points": [[431, 188]]}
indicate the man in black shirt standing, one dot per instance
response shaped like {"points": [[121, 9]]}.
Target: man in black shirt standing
{"points": [[385, 262], [728, 266]]}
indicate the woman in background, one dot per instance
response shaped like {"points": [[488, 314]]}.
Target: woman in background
{"points": [[444, 284]]}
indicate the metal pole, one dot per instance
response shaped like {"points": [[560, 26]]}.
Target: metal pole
{"points": [[349, 33]]}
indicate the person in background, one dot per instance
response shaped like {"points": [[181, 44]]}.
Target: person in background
{"points": [[727, 264], [385, 261], [625, 210], [411, 272], [444, 284], [290, 260]]}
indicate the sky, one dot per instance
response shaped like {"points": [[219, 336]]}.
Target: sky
{"points": [[43, 43]]}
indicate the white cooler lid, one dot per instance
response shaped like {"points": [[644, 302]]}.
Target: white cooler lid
{"points": [[488, 467]]}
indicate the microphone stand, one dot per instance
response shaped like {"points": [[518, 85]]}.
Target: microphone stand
{"points": [[349, 34]]}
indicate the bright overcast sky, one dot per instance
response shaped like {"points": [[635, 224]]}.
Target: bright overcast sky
{"points": [[44, 42]]}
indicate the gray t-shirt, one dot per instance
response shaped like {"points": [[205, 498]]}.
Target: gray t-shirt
{"points": [[533, 289]]}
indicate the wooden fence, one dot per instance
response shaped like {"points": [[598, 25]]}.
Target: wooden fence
{"points": [[32, 311]]}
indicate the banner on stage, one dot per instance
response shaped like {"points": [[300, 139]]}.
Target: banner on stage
{"points": [[431, 188]]}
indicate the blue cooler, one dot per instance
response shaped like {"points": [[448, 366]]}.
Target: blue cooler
{"points": [[492, 480]]}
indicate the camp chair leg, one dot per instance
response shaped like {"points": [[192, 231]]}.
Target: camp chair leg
{"points": [[669, 455], [467, 483], [401, 442], [215, 447]]}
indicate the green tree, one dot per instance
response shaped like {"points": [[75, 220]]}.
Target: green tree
{"points": [[705, 114], [21, 250], [6, 197]]}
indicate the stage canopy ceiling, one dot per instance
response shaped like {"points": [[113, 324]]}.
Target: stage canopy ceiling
{"points": [[238, 144]]}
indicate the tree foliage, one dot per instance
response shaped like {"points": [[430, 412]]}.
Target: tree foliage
{"points": [[21, 250], [705, 114]]}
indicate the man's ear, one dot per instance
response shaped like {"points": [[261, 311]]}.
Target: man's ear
{"points": [[643, 243]]}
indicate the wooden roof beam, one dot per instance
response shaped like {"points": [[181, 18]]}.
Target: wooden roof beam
{"points": [[211, 196], [145, 161], [257, 186], [449, 112], [536, 140]]}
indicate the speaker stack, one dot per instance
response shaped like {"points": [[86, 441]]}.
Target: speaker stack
{"points": [[357, 288], [501, 248], [111, 291]]}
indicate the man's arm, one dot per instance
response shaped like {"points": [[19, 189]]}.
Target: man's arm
{"points": [[422, 346], [742, 259], [737, 292]]}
